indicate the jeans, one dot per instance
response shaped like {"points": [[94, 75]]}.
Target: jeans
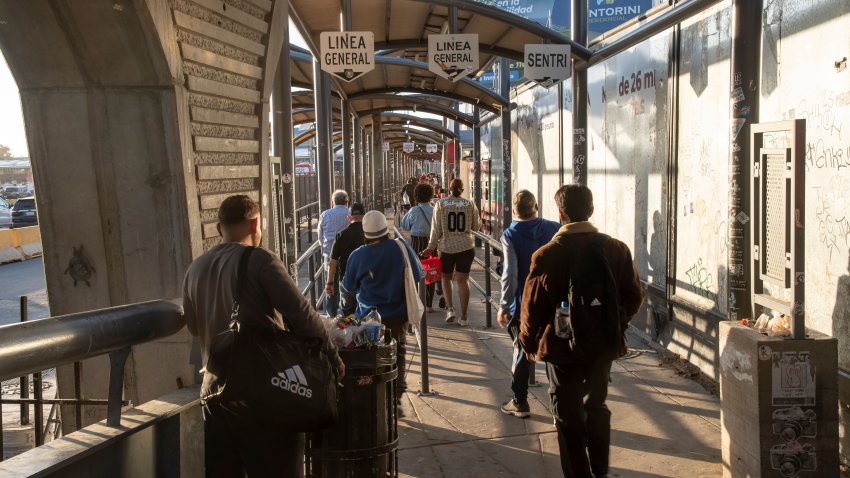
{"points": [[520, 365], [583, 424], [332, 301], [235, 447]]}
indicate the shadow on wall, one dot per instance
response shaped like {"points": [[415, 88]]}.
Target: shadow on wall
{"points": [[841, 318]]}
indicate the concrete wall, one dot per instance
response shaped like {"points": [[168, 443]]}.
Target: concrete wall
{"points": [[141, 117]]}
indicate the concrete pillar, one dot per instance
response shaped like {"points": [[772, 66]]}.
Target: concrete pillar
{"points": [[377, 163], [347, 183], [138, 125], [285, 150], [324, 140]]}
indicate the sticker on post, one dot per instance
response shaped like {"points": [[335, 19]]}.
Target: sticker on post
{"points": [[793, 378], [453, 56], [347, 55], [547, 64]]}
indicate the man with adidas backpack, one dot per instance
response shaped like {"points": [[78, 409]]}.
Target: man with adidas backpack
{"points": [[582, 290]]}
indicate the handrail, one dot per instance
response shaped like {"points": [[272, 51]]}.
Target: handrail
{"points": [[307, 206], [29, 347], [38, 345], [306, 254]]}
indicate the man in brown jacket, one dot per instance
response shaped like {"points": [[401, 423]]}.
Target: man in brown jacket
{"points": [[578, 385]]}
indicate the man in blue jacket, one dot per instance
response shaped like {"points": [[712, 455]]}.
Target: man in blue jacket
{"points": [[375, 273], [520, 240]]}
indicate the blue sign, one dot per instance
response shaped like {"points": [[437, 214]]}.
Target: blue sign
{"points": [[554, 14], [603, 15]]}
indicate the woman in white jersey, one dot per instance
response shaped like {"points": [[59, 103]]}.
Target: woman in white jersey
{"points": [[454, 220]]}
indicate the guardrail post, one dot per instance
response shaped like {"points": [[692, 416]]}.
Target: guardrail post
{"points": [[487, 287], [116, 386], [25, 380], [423, 340], [311, 268], [39, 410]]}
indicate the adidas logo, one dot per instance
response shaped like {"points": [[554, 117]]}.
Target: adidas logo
{"points": [[293, 380], [595, 302]]}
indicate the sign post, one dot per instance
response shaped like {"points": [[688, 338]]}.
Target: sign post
{"points": [[453, 56], [347, 55], [547, 64]]}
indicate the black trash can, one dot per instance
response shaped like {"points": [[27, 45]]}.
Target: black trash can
{"points": [[364, 441]]}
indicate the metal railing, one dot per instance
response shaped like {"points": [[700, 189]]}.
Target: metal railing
{"points": [[305, 214], [491, 245], [31, 347], [311, 257], [421, 329]]}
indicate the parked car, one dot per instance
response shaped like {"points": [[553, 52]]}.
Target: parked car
{"points": [[14, 192], [23, 212], [5, 214]]}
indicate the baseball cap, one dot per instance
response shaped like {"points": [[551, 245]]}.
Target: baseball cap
{"points": [[374, 225], [357, 209]]}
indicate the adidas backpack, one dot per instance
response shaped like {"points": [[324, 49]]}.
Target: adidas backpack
{"points": [[596, 317]]}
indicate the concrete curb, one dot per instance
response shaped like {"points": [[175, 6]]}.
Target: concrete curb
{"points": [[20, 244]]}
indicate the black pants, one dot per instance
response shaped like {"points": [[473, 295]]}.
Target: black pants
{"points": [[398, 331], [583, 424], [234, 448]]}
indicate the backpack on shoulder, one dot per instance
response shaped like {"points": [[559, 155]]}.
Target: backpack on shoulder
{"points": [[273, 378], [597, 321]]}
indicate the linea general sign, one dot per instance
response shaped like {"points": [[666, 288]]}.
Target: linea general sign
{"points": [[547, 64], [347, 55], [453, 56], [408, 147]]}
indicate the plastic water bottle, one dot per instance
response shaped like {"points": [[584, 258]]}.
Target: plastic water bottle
{"points": [[372, 321], [562, 321]]}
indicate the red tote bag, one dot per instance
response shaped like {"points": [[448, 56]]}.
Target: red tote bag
{"points": [[433, 270]]}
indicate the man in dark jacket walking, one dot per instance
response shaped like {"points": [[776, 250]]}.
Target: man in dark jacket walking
{"points": [[578, 384], [520, 240]]}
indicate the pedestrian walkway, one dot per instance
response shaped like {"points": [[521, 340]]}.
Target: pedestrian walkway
{"points": [[664, 425]]}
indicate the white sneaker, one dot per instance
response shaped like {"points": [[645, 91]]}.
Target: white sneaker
{"points": [[450, 315], [463, 322]]}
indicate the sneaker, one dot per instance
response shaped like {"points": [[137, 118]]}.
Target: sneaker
{"points": [[450, 315], [518, 410], [463, 322]]}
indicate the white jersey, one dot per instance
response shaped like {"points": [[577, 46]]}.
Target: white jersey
{"points": [[454, 220]]}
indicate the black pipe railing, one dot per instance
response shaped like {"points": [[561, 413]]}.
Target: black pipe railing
{"points": [[305, 214], [31, 347]]}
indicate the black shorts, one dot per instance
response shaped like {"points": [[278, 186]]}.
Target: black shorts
{"points": [[462, 261]]}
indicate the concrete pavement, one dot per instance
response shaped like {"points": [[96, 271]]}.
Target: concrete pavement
{"points": [[664, 425]]}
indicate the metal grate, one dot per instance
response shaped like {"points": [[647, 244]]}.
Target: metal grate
{"points": [[775, 216]]}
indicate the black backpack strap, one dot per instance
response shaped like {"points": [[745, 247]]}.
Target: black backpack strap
{"points": [[240, 281]]}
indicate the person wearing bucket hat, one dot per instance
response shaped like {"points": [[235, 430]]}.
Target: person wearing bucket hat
{"points": [[375, 273], [346, 241]]}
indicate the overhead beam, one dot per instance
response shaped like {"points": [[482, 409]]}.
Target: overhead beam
{"points": [[367, 94]]}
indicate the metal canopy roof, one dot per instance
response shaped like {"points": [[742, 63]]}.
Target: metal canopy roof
{"points": [[308, 115], [394, 75], [402, 119], [403, 26]]}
